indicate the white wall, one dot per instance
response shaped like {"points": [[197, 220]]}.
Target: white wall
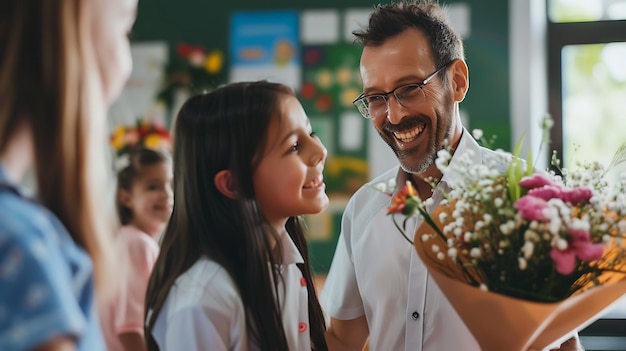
{"points": [[528, 74]]}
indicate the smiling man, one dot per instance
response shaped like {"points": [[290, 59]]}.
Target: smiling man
{"points": [[414, 77]]}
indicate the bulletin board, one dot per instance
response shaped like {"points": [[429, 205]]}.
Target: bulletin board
{"points": [[330, 83]]}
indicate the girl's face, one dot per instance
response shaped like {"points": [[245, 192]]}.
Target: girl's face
{"points": [[288, 181], [150, 198], [112, 23]]}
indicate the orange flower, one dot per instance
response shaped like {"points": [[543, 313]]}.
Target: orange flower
{"points": [[405, 200]]}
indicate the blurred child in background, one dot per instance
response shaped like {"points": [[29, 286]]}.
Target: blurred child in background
{"points": [[144, 205], [233, 273]]}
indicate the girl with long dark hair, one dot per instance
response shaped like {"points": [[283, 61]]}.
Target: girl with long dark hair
{"points": [[233, 272]]}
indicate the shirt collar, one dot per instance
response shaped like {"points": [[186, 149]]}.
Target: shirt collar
{"points": [[467, 146], [291, 254]]}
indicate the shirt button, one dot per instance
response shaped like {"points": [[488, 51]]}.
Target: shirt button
{"points": [[415, 315], [301, 327], [302, 281]]}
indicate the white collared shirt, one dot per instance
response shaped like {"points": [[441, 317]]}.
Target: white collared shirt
{"points": [[203, 310], [375, 272]]}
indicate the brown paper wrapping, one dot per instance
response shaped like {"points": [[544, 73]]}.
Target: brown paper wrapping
{"points": [[499, 322]]}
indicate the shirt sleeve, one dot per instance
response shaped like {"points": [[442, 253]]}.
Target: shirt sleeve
{"points": [[194, 329], [340, 296], [209, 327], [37, 297], [203, 311], [129, 314]]}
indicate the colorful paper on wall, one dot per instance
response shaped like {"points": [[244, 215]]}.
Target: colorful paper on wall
{"points": [[265, 45]]}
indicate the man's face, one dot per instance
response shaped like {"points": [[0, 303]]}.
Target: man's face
{"points": [[414, 134]]}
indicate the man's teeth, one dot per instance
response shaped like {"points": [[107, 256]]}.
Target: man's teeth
{"points": [[406, 137], [312, 184]]}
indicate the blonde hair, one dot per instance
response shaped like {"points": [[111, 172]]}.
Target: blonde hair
{"points": [[49, 80]]}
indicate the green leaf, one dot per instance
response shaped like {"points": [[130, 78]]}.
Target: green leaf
{"points": [[514, 172]]}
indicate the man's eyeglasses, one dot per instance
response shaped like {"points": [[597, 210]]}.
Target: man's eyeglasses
{"points": [[408, 96]]}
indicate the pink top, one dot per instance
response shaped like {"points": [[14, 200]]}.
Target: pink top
{"points": [[125, 313]]}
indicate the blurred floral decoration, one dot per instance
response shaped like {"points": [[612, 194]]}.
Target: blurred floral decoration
{"points": [[143, 133], [193, 69]]}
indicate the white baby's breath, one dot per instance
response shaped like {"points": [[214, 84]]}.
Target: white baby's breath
{"points": [[452, 252], [475, 252], [522, 263], [477, 134], [528, 249], [482, 226], [561, 244]]}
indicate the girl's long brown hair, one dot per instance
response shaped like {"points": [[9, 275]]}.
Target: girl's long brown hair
{"points": [[226, 129], [49, 82]]}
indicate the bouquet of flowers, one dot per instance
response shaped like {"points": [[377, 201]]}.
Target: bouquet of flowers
{"points": [[143, 133], [536, 254]]}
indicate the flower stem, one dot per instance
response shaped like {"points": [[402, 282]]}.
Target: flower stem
{"points": [[393, 217]]}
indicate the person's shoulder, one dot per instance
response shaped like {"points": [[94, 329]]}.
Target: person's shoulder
{"points": [[369, 200], [205, 272], [207, 285], [137, 240], [138, 249], [204, 278], [369, 189], [389, 174], [22, 220]]}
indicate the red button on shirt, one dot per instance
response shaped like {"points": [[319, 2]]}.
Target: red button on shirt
{"points": [[301, 327], [302, 281]]}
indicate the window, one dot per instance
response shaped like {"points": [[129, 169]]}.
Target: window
{"points": [[586, 10], [586, 49], [587, 79]]}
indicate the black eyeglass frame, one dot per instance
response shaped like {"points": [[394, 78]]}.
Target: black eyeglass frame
{"points": [[385, 96]]}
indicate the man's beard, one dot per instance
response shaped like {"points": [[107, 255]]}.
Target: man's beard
{"points": [[410, 160], [422, 166]]}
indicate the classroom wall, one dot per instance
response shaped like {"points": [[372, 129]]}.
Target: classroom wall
{"points": [[487, 51], [487, 47]]}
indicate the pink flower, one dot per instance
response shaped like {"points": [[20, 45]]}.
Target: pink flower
{"points": [[541, 187], [531, 208], [536, 180], [579, 246], [547, 192], [573, 196], [577, 195]]}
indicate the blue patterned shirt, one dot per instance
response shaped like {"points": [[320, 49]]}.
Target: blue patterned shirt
{"points": [[46, 280]]}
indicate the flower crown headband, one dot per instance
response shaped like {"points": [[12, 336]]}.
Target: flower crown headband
{"points": [[143, 133]]}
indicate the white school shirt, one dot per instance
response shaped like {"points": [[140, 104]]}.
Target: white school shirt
{"points": [[375, 272], [203, 310]]}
